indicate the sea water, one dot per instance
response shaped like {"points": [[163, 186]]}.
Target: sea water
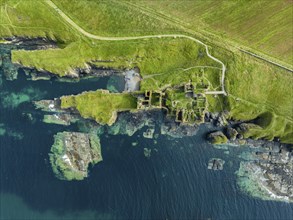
{"points": [[173, 183]]}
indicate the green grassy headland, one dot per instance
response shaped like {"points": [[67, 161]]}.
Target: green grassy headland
{"points": [[257, 90], [100, 105]]}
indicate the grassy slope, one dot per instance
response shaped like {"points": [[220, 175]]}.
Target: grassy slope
{"points": [[256, 89], [100, 105], [111, 18], [262, 25], [151, 56], [32, 18]]}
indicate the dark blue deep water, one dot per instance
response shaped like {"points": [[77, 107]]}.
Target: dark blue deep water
{"points": [[174, 183]]}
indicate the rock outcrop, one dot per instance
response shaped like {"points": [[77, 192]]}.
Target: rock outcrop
{"points": [[171, 128], [216, 164], [59, 116], [147, 152], [269, 175], [11, 69], [217, 137], [129, 123], [231, 133], [149, 133], [267, 169], [72, 152]]}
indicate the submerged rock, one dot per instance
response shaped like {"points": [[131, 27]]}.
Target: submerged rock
{"points": [[6, 131], [89, 126], [134, 144], [17, 135], [149, 133], [2, 129], [29, 117], [72, 152], [13, 99], [147, 152], [1, 81], [216, 164], [115, 83]]}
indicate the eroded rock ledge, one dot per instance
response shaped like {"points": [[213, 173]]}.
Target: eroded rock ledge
{"points": [[269, 176], [21, 43], [25, 43], [267, 169]]}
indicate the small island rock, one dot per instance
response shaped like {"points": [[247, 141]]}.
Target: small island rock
{"points": [[72, 152], [216, 164]]}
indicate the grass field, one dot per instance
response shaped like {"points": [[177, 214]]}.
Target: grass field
{"points": [[32, 18], [111, 18], [257, 90], [263, 25]]}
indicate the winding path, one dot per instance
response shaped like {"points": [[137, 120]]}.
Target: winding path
{"points": [[85, 33]]}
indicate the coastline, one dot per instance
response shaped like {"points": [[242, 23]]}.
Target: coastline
{"points": [[177, 130]]}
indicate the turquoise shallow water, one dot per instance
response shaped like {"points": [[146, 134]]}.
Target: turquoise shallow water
{"points": [[174, 183]]}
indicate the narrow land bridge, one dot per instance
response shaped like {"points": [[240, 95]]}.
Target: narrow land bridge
{"points": [[81, 30]]}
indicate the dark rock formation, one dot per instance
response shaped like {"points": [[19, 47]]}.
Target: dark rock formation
{"points": [[9, 68], [38, 43], [147, 152], [217, 137], [269, 175], [128, 123], [216, 164], [177, 130], [59, 116], [231, 133], [242, 128]]}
